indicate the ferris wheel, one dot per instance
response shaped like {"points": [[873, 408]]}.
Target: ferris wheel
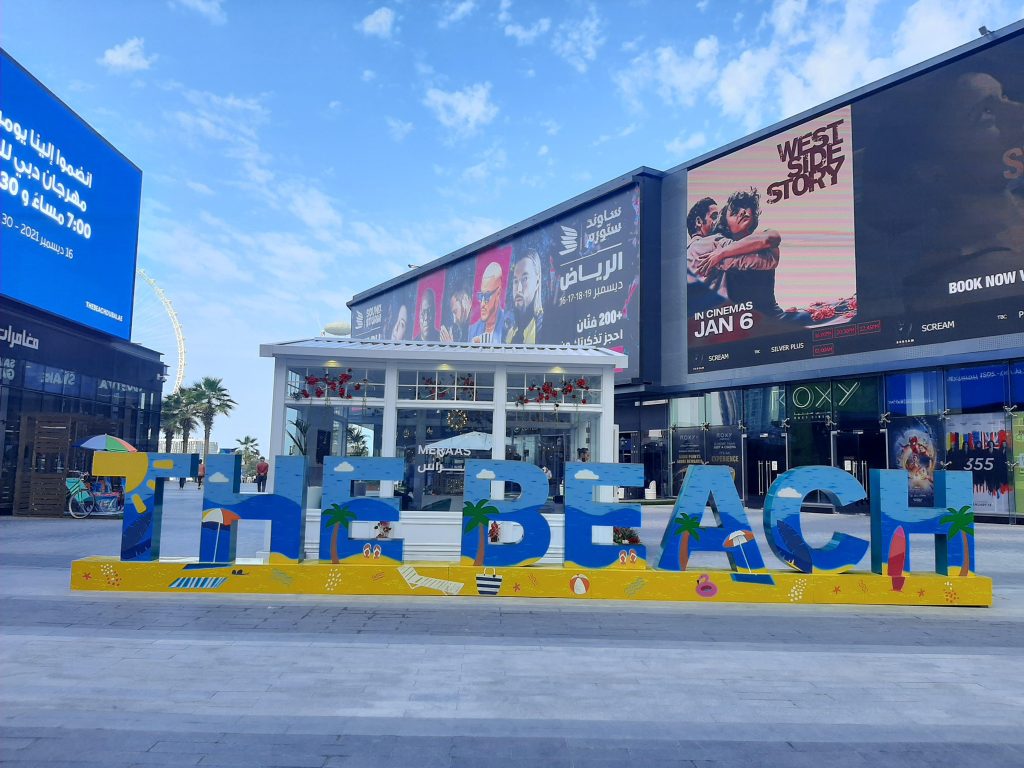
{"points": [[155, 325]]}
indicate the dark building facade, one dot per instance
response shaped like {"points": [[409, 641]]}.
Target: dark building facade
{"points": [[843, 288], [61, 385]]}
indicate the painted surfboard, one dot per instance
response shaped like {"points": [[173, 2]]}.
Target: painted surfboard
{"points": [[897, 558]]}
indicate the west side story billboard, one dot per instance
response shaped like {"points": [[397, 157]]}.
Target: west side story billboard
{"points": [[572, 280], [70, 210], [895, 220]]}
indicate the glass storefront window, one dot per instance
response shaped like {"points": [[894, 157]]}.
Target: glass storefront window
{"points": [[549, 439], [1017, 383], [764, 409], [445, 385], [913, 394], [855, 402], [334, 382], [977, 389], [687, 411], [435, 444], [561, 388], [723, 408], [342, 430]]}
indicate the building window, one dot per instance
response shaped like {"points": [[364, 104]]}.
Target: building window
{"points": [[554, 388], [446, 385], [435, 444], [977, 389]]}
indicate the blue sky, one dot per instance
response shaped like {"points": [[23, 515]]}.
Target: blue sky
{"points": [[296, 153]]}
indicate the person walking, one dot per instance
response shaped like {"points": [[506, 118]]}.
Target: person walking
{"points": [[262, 468], [201, 474]]}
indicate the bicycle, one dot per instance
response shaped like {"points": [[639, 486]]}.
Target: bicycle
{"points": [[82, 501]]}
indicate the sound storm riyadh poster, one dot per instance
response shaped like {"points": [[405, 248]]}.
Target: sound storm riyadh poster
{"points": [[770, 253]]}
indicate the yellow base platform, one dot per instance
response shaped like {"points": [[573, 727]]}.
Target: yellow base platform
{"points": [[106, 574]]}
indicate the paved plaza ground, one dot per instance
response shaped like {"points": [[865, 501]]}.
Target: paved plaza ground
{"points": [[96, 679]]}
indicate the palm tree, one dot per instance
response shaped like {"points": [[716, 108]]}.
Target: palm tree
{"points": [[297, 435], [249, 447], [961, 521], [478, 515], [214, 400], [170, 418], [355, 440], [687, 526], [337, 518], [188, 414]]}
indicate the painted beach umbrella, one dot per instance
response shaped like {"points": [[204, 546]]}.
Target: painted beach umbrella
{"points": [[736, 540], [220, 516], [107, 443]]}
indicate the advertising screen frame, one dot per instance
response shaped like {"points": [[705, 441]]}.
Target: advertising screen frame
{"points": [[925, 346], [112, 242], [575, 238]]}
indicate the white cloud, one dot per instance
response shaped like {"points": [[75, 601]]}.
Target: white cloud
{"points": [[314, 209], [368, 75], [485, 474], [787, 17], [198, 186], [789, 493], [504, 17], [754, 68], [218, 477], [586, 474], [551, 127], [620, 134], [578, 41], [542, 150], [463, 111], [677, 79], [129, 56], [380, 23], [683, 145], [212, 10], [232, 121], [334, 105], [527, 35], [344, 467], [453, 12], [492, 161], [702, 5], [398, 129]]}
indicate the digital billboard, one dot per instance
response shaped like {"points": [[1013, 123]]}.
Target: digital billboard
{"points": [[573, 280], [770, 251], [69, 204], [894, 221]]}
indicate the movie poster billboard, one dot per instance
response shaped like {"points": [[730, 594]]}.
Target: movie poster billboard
{"points": [[770, 251], [940, 200], [978, 443], [687, 451], [915, 445], [725, 447], [574, 280], [900, 226]]}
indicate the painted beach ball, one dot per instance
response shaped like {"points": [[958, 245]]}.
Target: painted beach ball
{"points": [[579, 584]]}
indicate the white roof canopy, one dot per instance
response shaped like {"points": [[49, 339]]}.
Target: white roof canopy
{"points": [[445, 352]]}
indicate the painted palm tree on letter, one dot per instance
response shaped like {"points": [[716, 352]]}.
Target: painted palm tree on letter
{"points": [[478, 515], [687, 527], [961, 521], [337, 518]]}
